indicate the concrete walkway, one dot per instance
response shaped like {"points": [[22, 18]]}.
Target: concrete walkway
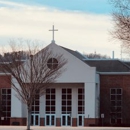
{"points": [[61, 128]]}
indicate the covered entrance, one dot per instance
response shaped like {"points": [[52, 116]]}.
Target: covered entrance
{"points": [[65, 120], [35, 119]]}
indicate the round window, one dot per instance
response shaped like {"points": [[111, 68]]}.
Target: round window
{"points": [[52, 63]]}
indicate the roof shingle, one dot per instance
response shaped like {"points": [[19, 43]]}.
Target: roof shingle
{"points": [[108, 65]]}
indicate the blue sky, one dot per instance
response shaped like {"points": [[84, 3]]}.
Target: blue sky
{"points": [[93, 6], [83, 25]]}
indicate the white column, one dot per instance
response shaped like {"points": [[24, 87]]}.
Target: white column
{"points": [[74, 102], [16, 105], [58, 102], [42, 106], [97, 109], [89, 100]]}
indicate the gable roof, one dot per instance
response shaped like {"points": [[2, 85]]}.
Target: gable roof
{"points": [[102, 65], [109, 65]]}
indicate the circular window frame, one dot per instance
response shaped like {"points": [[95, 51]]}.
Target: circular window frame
{"points": [[52, 63]]}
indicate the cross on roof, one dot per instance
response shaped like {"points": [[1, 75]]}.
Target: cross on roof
{"points": [[53, 30]]}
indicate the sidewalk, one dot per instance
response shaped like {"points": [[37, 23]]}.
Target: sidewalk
{"points": [[61, 128]]}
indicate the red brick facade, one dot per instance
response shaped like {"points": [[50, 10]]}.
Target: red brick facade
{"points": [[42, 121], [5, 81], [22, 121], [74, 122], [58, 122], [90, 121], [115, 81]]}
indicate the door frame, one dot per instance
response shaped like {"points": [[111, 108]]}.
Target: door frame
{"points": [[50, 119], [66, 119], [82, 120], [34, 118]]}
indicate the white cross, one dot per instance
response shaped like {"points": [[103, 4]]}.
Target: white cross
{"points": [[53, 30]]}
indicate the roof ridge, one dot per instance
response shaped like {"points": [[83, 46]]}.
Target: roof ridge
{"points": [[67, 48], [124, 64], [74, 53]]}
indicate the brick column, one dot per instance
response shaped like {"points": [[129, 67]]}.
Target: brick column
{"points": [[58, 121], [74, 122]]}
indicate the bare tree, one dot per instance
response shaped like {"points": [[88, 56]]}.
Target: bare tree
{"points": [[33, 76], [121, 17]]}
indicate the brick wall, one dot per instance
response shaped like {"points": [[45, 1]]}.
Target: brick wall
{"points": [[58, 121], [90, 121], [21, 121], [42, 122], [5, 81], [115, 81]]}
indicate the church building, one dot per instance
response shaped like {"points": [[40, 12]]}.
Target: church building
{"points": [[89, 92]]}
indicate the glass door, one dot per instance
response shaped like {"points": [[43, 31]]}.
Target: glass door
{"points": [[35, 119], [66, 120], [50, 120], [80, 120]]}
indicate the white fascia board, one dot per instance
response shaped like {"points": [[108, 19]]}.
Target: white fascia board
{"points": [[5, 74], [114, 73]]}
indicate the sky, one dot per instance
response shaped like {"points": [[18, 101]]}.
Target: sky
{"points": [[83, 25]]}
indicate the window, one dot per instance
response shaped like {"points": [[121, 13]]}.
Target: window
{"points": [[35, 105], [50, 101], [116, 105], [66, 101], [81, 101], [6, 103], [52, 63]]}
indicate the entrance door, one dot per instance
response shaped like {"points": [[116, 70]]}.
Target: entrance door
{"points": [[35, 119], [50, 120], [80, 120], [66, 120]]}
